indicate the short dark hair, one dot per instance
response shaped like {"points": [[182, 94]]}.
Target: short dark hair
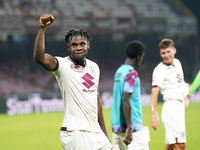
{"points": [[134, 48], [75, 32], [165, 43]]}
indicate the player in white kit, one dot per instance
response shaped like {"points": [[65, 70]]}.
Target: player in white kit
{"points": [[83, 124], [168, 78]]}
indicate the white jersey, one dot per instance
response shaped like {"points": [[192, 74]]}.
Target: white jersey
{"points": [[170, 79], [79, 88]]}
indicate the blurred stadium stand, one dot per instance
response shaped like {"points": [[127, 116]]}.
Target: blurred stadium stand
{"points": [[112, 24]]}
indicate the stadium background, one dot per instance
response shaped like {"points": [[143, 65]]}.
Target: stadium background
{"points": [[26, 88], [111, 23]]}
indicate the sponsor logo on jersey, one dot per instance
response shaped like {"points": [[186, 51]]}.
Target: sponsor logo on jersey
{"points": [[88, 91], [76, 68], [178, 76], [88, 80]]}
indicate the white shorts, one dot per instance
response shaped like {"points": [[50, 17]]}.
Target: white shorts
{"points": [[139, 142], [173, 118], [84, 140]]}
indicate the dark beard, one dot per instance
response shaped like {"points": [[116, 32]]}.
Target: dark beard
{"points": [[79, 60]]}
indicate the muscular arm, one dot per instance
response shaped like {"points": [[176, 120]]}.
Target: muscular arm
{"points": [[101, 117], [154, 99], [127, 114], [47, 61]]}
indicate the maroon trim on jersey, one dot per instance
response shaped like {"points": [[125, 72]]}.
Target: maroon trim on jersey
{"points": [[63, 129], [57, 64], [176, 140], [83, 65], [153, 86]]}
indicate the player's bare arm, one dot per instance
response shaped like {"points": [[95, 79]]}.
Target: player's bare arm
{"points": [[127, 114], [187, 98], [47, 61], [101, 117], [154, 98]]}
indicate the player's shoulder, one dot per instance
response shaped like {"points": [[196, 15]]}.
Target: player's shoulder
{"points": [[160, 66], [62, 60], [176, 61], [59, 58], [124, 69], [91, 63], [132, 72]]}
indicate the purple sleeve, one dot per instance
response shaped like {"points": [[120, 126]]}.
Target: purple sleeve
{"points": [[130, 81]]}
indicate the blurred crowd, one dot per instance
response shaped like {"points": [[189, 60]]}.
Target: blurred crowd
{"points": [[85, 8], [24, 76], [20, 77]]}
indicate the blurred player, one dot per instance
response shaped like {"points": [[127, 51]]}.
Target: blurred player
{"points": [[83, 124], [168, 78], [126, 113], [195, 84]]}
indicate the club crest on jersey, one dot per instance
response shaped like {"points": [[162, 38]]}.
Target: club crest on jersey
{"points": [[92, 70], [154, 78], [76, 68]]}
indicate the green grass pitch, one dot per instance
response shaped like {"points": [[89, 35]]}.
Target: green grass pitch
{"points": [[41, 131]]}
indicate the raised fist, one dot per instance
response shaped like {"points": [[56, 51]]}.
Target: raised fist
{"points": [[46, 19]]}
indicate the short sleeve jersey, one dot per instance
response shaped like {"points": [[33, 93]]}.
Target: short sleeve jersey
{"points": [[126, 80], [79, 89], [170, 79]]}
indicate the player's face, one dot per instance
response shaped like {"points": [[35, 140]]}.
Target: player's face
{"points": [[167, 55], [78, 47], [139, 60]]}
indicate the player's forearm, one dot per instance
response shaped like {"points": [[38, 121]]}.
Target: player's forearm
{"points": [[127, 113], [154, 99], [153, 104], [101, 117], [39, 47], [102, 125], [102, 122]]}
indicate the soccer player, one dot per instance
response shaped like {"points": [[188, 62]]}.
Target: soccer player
{"points": [[195, 84], [168, 78], [83, 124], [126, 112]]}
